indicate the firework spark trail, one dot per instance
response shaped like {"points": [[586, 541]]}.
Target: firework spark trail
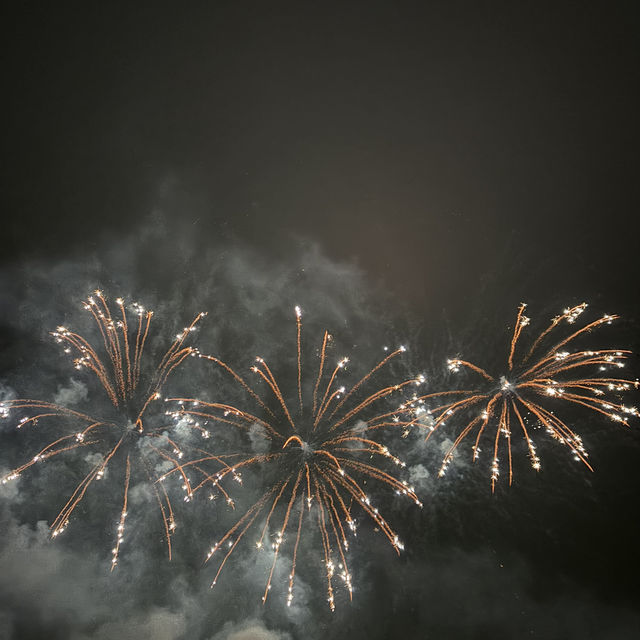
{"points": [[319, 461], [118, 441], [517, 397]]}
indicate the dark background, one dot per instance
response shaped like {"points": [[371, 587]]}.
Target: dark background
{"points": [[464, 156]]}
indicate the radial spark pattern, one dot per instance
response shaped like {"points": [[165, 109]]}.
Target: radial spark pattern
{"points": [[123, 443], [530, 392], [318, 454]]}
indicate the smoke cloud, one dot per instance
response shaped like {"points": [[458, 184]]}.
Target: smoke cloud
{"points": [[439, 588]]}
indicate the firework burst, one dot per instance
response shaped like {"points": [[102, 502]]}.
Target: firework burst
{"points": [[318, 454], [123, 442], [527, 392]]}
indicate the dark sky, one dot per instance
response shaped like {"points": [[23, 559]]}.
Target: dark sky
{"points": [[417, 167]]}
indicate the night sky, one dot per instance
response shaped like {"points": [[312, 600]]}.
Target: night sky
{"points": [[406, 172]]}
